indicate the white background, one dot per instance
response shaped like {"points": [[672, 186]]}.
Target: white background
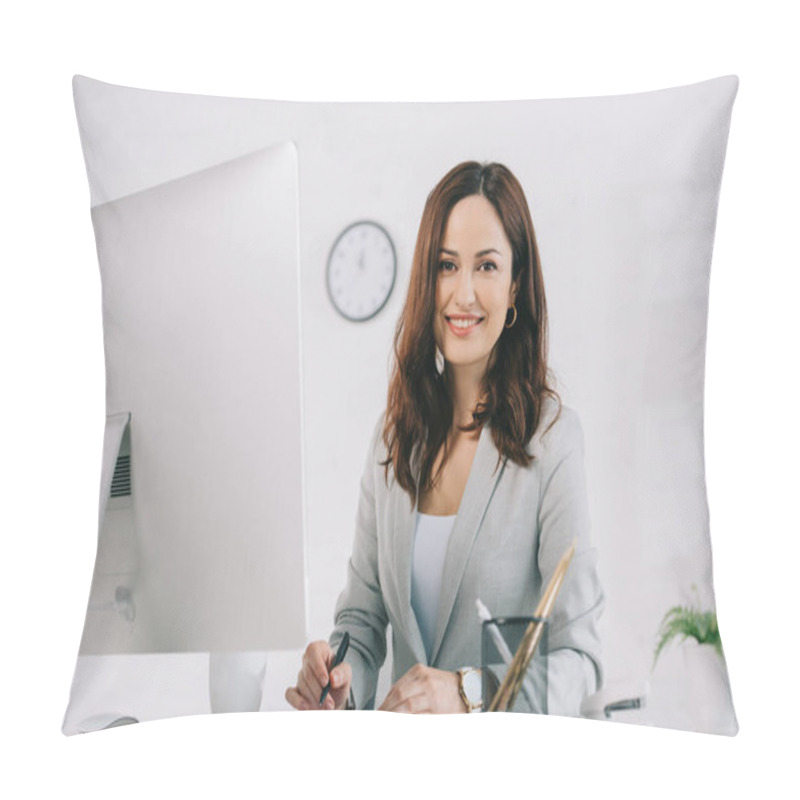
{"points": [[53, 395]]}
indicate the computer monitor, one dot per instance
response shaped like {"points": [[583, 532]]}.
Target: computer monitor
{"points": [[201, 508]]}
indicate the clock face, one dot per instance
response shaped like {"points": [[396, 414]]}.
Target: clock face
{"points": [[361, 271]]}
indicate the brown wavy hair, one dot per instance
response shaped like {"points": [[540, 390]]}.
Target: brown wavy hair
{"points": [[419, 411]]}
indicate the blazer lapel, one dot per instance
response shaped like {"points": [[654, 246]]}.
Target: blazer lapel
{"points": [[405, 518], [483, 477]]}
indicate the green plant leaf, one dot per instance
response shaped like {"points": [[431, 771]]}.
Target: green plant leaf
{"points": [[688, 622]]}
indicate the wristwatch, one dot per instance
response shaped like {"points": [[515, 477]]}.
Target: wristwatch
{"points": [[469, 687]]}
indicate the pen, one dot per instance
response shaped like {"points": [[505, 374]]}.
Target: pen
{"points": [[338, 658]]}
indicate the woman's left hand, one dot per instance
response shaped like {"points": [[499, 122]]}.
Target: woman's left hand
{"points": [[425, 690]]}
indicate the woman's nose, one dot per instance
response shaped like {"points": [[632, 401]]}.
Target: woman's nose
{"points": [[465, 289]]}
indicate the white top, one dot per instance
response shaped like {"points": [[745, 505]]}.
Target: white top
{"points": [[431, 536]]}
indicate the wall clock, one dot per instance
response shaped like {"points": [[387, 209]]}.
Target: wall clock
{"points": [[362, 267]]}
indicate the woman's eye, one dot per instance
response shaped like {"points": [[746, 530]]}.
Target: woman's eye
{"points": [[488, 266], [446, 266]]}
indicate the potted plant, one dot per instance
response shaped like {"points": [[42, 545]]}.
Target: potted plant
{"points": [[688, 622], [703, 676]]}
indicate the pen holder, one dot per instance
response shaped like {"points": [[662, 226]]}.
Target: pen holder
{"points": [[500, 639]]}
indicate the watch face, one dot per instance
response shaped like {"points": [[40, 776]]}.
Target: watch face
{"points": [[361, 271], [472, 687]]}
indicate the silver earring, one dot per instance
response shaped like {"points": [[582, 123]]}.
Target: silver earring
{"points": [[439, 361]]}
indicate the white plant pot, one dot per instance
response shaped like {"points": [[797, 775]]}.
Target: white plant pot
{"points": [[711, 706]]}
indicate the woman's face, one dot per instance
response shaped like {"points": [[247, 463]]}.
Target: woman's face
{"points": [[473, 288]]}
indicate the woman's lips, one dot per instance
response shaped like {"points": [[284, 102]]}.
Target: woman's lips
{"points": [[472, 323]]}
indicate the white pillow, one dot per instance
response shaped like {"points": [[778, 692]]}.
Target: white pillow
{"points": [[623, 193]]}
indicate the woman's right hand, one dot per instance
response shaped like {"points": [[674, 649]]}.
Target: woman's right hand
{"points": [[313, 678]]}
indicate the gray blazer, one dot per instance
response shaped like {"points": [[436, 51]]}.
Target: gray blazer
{"points": [[512, 527]]}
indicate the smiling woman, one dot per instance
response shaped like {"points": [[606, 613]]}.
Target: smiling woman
{"points": [[476, 257], [474, 289], [474, 484]]}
